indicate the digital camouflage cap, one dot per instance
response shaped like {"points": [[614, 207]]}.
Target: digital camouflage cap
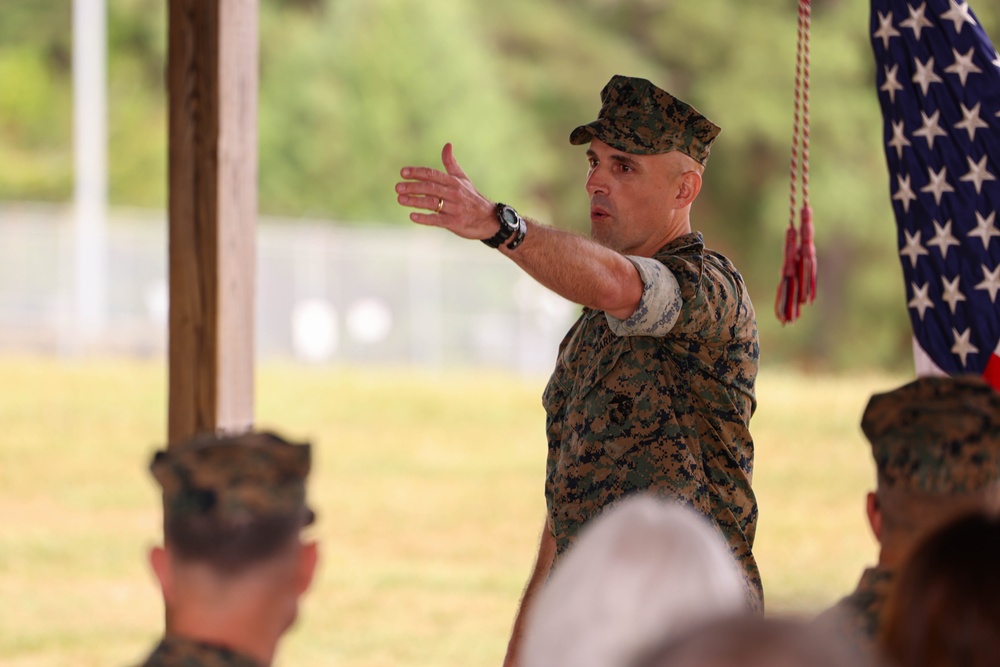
{"points": [[639, 118], [234, 478], [936, 435]]}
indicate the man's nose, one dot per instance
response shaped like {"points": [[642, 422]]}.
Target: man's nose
{"points": [[596, 182]]}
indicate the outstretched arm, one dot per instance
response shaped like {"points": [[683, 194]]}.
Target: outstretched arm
{"points": [[571, 265]]}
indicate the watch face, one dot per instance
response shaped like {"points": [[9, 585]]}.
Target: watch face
{"points": [[510, 217]]}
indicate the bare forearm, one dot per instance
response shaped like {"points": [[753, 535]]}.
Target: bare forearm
{"points": [[543, 564], [579, 269]]}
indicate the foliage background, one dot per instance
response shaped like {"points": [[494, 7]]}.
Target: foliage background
{"points": [[353, 89]]}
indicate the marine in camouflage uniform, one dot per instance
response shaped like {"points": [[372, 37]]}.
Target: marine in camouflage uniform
{"points": [[936, 445], [230, 504], [661, 401], [654, 385]]}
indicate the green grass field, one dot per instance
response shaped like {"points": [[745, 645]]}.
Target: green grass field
{"points": [[428, 487]]}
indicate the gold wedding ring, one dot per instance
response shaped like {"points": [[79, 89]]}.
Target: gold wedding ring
{"points": [[440, 205]]}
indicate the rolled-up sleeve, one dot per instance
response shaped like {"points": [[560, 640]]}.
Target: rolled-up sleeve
{"points": [[659, 306]]}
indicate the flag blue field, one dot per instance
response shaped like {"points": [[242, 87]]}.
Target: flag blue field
{"points": [[938, 78]]}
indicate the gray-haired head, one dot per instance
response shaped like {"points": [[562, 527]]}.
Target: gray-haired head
{"points": [[643, 570]]}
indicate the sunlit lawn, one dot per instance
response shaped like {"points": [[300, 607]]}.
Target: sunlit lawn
{"points": [[429, 490]]}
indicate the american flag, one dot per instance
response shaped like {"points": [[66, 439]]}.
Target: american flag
{"points": [[938, 78]]}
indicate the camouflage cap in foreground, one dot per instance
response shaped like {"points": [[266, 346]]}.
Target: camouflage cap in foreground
{"points": [[639, 118], [234, 478], [936, 435]]}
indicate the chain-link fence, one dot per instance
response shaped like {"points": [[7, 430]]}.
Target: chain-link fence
{"points": [[326, 293]]}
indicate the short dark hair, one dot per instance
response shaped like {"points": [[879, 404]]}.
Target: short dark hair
{"points": [[230, 547], [944, 609]]}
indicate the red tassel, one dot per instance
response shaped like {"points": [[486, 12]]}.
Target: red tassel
{"points": [[807, 259], [786, 306], [798, 274]]}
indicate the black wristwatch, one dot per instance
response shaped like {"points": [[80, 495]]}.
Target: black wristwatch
{"points": [[510, 222]]}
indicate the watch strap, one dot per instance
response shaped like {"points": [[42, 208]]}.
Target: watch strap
{"points": [[522, 231], [504, 233]]}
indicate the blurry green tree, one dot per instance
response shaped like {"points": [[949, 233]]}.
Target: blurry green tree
{"points": [[353, 89]]}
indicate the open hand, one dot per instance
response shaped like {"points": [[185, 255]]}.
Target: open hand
{"points": [[452, 199]]}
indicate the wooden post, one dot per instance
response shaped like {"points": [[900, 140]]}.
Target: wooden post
{"points": [[212, 91]]}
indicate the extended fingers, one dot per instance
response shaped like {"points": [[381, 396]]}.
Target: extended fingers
{"points": [[450, 163], [430, 219], [425, 175], [429, 202], [425, 188], [420, 195], [429, 189]]}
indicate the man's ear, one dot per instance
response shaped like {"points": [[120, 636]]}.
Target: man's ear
{"points": [[690, 186], [874, 510], [160, 561], [308, 557]]}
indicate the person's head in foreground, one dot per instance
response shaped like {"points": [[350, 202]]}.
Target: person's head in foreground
{"points": [[647, 153], [944, 610], [753, 641], [936, 444], [233, 564], [640, 572]]}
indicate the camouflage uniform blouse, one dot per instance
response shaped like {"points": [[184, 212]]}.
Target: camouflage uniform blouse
{"points": [[858, 617], [178, 652], [668, 414]]}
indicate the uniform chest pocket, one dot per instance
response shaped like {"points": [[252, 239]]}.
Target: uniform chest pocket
{"points": [[611, 406]]}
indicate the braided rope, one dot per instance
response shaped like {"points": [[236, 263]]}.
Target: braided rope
{"points": [[807, 248], [793, 171], [800, 117], [798, 281], [805, 20]]}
